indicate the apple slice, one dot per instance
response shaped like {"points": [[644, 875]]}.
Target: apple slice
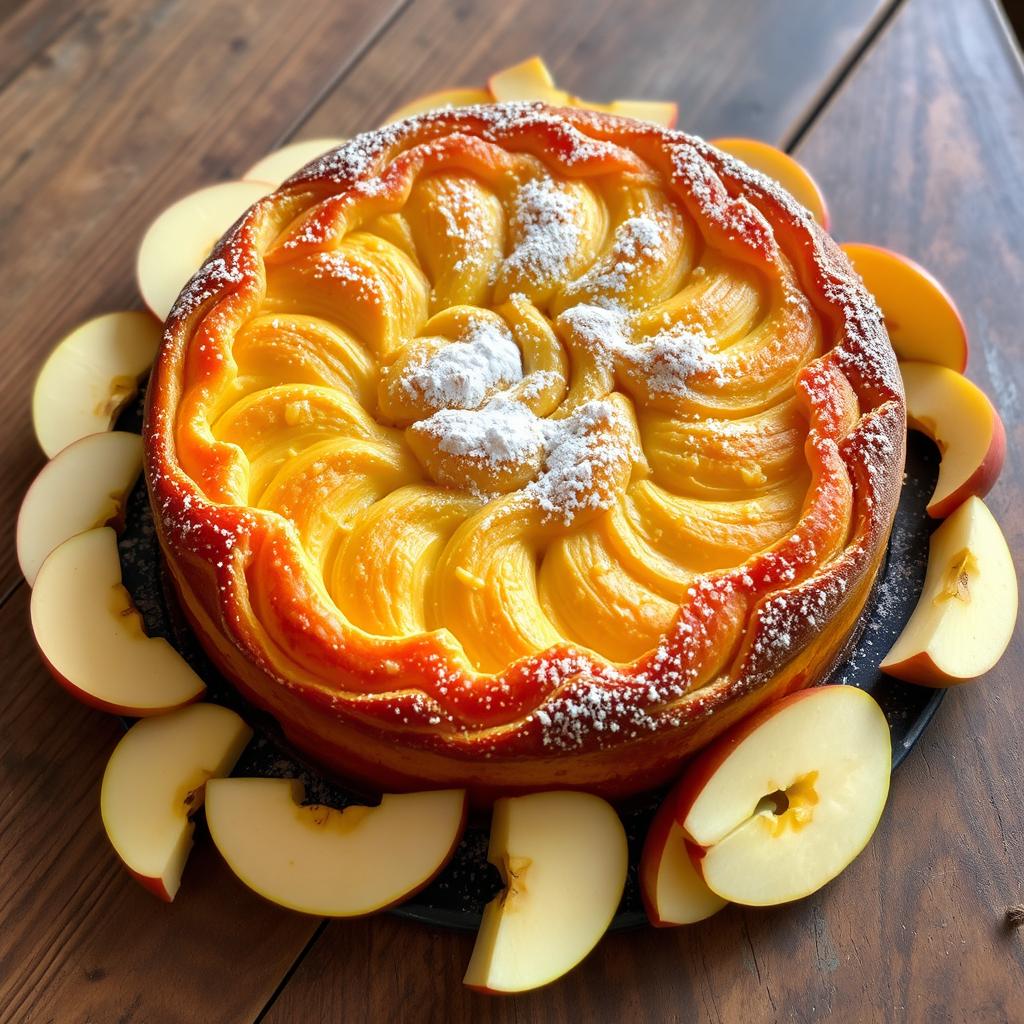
{"points": [[332, 863], [91, 637], [284, 162], [528, 80], [89, 377], [154, 783], [563, 857], [82, 487], [957, 415], [967, 610], [179, 240], [922, 319], [785, 800], [446, 99], [792, 176], [656, 111], [673, 890]]}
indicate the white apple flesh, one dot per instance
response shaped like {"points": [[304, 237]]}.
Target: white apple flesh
{"points": [[563, 858], [91, 636], [280, 165], [781, 804], [82, 487], [89, 377], [966, 614], [328, 862], [178, 242], [155, 782]]}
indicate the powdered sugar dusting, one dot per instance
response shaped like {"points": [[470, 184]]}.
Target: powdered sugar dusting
{"points": [[550, 233]]}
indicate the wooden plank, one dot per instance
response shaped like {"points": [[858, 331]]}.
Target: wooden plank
{"points": [[81, 940], [916, 154], [130, 107], [732, 74]]}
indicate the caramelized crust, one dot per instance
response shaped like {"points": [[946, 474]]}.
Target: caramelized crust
{"points": [[512, 448]]}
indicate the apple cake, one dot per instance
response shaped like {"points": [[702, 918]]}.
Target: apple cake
{"points": [[512, 447]]}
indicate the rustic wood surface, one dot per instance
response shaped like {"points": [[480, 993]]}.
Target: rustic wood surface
{"points": [[910, 114]]}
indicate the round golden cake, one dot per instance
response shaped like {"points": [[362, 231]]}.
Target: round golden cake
{"points": [[511, 448]]}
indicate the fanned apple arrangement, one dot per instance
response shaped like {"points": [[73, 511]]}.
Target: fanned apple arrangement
{"points": [[770, 812]]}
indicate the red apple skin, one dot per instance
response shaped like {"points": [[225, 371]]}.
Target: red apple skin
{"points": [[939, 287], [983, 479], [154, 885], [92, 701], [708, 761], [650, 859], [923, 671]]}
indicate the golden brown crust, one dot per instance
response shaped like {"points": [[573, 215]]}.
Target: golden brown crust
{"points": [[413, 712]]}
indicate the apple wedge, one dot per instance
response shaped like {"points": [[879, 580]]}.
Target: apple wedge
{"points": [[84, 486], [672, 889], [332, 863], [661, 112], [922, 319], [89, 377], [965, 616], [780, 804], [284, 162], [179, 240], [529, 80], [780, 166], [563, 858], [957, 415], [91, 635], [444, 100], [155, 782]]}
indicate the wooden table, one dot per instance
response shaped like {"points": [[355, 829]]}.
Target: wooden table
{"points": [[911, 116]]}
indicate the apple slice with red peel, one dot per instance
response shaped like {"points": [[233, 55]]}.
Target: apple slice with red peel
{"points": [[82, 487], [447, 99], [965, 616], [673, 890], [957, 415], [91, 635], [177, 243], [90, 375], [780, 166], [154, 783], [920, 315], [563, 857], [332, 863], [780, 804], [661, 112], [284, 162], [529, 80]]}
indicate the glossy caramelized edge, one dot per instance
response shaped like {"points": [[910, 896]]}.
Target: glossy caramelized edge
{"points": [[374, 710]]}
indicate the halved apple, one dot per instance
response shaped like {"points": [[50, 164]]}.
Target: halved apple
{"points": [[333, 863], [957, 415], [155, 782], [284, 162], [445, 99], [965, 616], [82, 487], [91, 635], [790, 174], [785, 800], [922, 319], [673, 890], [90, 375], [528, 80], [661, 112], [179, 240], [563, 857]]}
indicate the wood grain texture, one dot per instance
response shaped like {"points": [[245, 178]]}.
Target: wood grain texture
{"points": [[129, 107], [915, 154], [913, 931], [734, 74]]}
